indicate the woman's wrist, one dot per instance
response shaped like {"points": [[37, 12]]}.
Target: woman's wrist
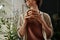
{"points": [[24, 23]]}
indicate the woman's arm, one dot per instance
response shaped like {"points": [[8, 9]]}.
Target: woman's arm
{"points": [[22, 28], [47, 25]]}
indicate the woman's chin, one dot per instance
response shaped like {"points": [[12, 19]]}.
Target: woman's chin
{"points": [[29, 5]]}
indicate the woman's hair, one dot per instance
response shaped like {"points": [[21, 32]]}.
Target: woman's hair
{"points": [[38, 2]]}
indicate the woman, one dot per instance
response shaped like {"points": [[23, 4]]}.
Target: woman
{"points": [[35, 25]]}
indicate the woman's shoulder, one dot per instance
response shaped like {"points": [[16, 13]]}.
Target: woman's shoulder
{"points": [[45, 14]]}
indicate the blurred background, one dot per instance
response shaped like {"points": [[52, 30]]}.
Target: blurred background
{"points": [[11, 10], [52, 8]]}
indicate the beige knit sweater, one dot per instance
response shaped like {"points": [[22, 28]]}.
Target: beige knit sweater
{"points": [[45, 17]]}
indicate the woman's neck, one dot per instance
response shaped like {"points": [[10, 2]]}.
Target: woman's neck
{"points": [[35, 7]]}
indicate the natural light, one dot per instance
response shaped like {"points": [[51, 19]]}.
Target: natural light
{"points": [[1, 6]]}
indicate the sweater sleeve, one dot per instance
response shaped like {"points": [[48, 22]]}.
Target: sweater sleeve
{"points": [[49, 23], [20, 25]]}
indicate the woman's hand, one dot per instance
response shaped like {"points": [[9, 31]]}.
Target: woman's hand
{"points": [[33, 14]]}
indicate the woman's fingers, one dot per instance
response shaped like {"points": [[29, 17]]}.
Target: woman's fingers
{"points": [[32, 12], [31, 16]]}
